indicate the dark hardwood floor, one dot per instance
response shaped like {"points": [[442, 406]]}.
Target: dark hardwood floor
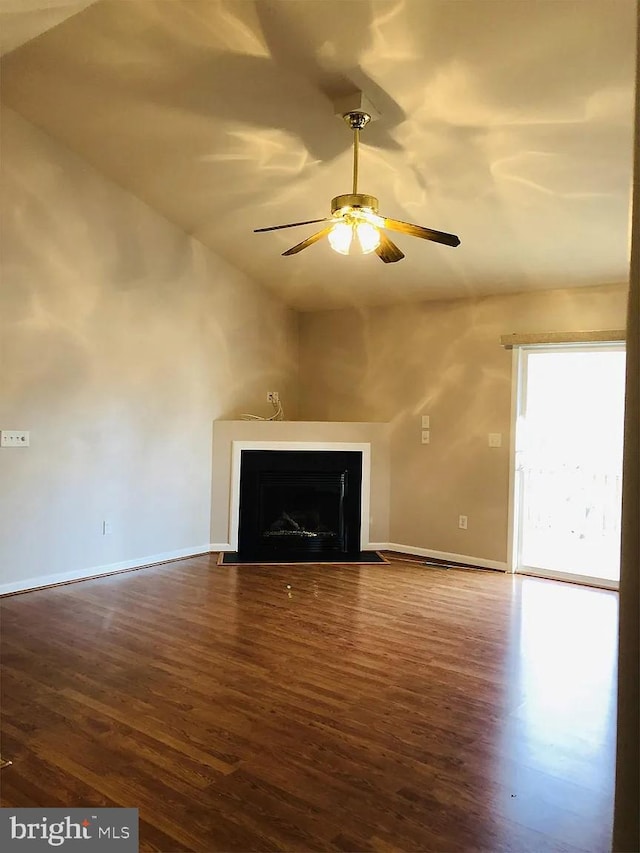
{"points": [[304, 708]]}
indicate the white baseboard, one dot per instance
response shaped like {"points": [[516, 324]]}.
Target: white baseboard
{"points": [[480, 562], [143, 562], [97, 571]]}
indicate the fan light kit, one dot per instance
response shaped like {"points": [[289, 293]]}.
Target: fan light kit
{"points": [[355, 221]]}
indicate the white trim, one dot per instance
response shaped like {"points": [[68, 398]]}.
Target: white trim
{"points": [[480, 562], [582, 580], [515, 485], [521, 355], [97, 571], [325, 446], [183, 553], [585, 346]]}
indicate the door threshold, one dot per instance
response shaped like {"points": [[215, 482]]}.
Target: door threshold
{"points": [[569, 577]]}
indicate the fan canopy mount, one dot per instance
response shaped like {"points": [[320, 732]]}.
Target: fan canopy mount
{"points": [[342, 204], [357, 119]]}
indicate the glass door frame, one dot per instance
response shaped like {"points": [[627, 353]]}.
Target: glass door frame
{"points": [[516, 491]]}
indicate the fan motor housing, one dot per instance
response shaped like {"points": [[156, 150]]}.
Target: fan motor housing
{"points": [[354, 200]]}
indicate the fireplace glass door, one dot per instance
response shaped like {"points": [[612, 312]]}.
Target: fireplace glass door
{"points": [[295, 504], [302, 510]]}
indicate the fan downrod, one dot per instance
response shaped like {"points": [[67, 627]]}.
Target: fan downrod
{"points": [[356, 119]]}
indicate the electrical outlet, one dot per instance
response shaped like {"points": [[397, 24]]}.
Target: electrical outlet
{"points": [[273, 397], [462, 522]]}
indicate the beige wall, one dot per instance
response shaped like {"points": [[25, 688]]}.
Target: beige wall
{"points": [[122, 340], [442, 359]]}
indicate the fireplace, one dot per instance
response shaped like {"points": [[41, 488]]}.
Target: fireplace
{"points": [[299, 505]]}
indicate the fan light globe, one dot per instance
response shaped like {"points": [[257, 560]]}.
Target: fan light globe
{"points": [[368, 237], [340, 237], [342, 234]]}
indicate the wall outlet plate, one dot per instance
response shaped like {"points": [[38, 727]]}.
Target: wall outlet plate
{"points": [[14, 438], [462, 522], [273, 397], [495, 439], [426, 436]]}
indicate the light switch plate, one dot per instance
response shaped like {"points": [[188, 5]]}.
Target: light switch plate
{"points": [[425, 422], [425, 436], [14, 438]]}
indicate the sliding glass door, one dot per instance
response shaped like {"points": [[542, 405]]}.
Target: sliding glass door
{"points": [[569, 461]]}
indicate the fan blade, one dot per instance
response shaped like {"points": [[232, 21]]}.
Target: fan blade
{"points": [[291, 225], [309, 241], [419, 231], [387, 251]]}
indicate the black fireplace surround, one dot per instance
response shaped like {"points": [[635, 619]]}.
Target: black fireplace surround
{"points": [[299, 505]]}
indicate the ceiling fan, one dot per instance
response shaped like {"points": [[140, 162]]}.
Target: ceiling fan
{"points": [[355, 220]]}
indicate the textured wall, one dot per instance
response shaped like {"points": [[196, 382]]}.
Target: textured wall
{"points": [[442, 359], [122, 340]]}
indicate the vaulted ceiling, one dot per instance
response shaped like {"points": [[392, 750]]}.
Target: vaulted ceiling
{"points": [[507, 123]]}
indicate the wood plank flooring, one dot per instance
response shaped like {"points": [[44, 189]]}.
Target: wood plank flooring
{"points": [[311, 708]]}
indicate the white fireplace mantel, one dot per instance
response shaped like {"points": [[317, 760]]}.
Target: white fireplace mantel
{"points": [[321, 446], [230, 438]]}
